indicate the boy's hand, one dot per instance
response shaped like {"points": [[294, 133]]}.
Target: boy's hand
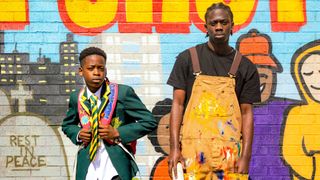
{"points": [[107, 132], [85, 136]]}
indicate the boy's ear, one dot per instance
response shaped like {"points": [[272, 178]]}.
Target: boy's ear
{"points": [[80, 71]]}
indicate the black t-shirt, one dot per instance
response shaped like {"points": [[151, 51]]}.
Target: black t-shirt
{"points": [[247, 77]]}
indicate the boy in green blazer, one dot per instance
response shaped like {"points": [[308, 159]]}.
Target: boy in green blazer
{"points": [[105, 119]]}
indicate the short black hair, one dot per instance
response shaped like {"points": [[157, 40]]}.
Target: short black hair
{"points": [[219, 5], [90, 51]]}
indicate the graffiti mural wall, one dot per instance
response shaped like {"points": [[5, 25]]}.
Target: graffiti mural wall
{"points": [[39, 46]]}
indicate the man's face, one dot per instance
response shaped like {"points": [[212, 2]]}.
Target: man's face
{"points": [[219, 25], [310, 73], [266, 82], [93, 71]]}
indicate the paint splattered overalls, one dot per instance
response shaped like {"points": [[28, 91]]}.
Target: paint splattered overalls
{"points": [[211, 131]]}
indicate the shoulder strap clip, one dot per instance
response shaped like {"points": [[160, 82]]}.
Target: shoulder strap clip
{"points": [[195, 61]]}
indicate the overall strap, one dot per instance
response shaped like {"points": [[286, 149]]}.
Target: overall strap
{"points": [[235, 64], [195, 61]]}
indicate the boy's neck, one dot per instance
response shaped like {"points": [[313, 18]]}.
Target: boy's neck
{"points": [[93, 91]]}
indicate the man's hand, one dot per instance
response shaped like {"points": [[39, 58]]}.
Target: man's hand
{"points": [[176, 116], [108, 133], [174, 158], [85, 136], [242, 166]]}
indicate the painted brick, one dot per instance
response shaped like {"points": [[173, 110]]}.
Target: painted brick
{"points": [[267, 161], [260, 150], [43, 27], [277, 170], [259, 170], [49, 171]]}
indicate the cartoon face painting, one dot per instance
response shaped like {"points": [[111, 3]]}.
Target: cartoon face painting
{"points": [[310, 75], [163, 133], [257, 47], [266, 82]]}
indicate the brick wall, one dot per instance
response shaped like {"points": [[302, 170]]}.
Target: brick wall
{"points": [[39, 46]]}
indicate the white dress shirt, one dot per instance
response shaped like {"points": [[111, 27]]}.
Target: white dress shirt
{"points": [[101, 168]]}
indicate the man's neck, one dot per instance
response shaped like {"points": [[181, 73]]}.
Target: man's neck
{"points": [[221, 48]]}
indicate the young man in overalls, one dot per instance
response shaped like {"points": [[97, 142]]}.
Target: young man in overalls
{"points": [[214, 88]]}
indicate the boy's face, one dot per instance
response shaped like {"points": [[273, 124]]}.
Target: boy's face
{"points": [[93, 71]]}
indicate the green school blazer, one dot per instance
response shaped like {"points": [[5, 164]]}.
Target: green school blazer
{"points": [[136, 121]]}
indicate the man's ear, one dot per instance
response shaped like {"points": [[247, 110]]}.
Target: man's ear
{"points": [[231, 30], [206, 26], [80, 71]]}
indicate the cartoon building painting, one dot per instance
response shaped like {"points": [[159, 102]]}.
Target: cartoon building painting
{"points": [[134, 59], [44, 86]]}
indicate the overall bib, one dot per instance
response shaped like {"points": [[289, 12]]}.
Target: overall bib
{"points": [[211, 131]]}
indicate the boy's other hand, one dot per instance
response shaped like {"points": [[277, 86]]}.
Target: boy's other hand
{"points": [[85, 136], [107, 132]]}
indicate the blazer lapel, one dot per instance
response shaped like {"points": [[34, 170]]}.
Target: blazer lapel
{"points": [[104, 98], [85, 103]]}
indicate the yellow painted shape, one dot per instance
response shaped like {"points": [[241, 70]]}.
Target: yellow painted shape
{"points": [[312, 142], [175, 11], [91, 15], [291, 151], [303, 123], [13, 11], [293, 134], [139, 11], [209, 106], [241, 9], [290, 11]]}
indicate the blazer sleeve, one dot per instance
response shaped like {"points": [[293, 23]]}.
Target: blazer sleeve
{"points": [[70, 124], [142, 119]]}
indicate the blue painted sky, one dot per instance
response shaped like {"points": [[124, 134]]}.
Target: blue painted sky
{"points": [[46, 31]]}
